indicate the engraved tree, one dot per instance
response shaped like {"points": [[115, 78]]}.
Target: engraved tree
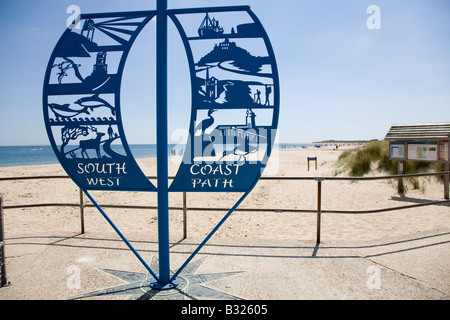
{"points": [[72, 132]]}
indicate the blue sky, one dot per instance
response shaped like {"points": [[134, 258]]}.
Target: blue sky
{"points": [[339, 79]]}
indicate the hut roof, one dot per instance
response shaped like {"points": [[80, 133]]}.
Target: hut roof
{"points": [[419, 132]]}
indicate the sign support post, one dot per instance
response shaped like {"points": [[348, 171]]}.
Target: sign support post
{"points": [[162, 146], [400, 185], [83, 119]]}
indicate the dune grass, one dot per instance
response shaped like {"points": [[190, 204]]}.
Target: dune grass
{"points": [[359, 161]]}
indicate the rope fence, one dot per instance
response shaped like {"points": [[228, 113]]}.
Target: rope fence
{"points": [[318, 210]]}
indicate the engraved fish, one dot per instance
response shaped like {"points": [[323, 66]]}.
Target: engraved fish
{"points": [[64, 110], [95, 102]]}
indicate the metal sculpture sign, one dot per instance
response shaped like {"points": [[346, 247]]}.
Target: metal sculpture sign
{"points": [[235, 101], [234, 113], [82, 103]]}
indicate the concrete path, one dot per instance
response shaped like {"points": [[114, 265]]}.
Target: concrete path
{"points": [[101, 267]]}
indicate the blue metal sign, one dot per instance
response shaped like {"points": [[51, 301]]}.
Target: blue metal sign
{"points": [[234, 113], [235, 99], [82, 103]]}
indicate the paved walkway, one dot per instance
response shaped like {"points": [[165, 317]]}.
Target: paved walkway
{"points": [[101, 267]]}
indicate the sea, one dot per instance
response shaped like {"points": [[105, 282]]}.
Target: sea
{"points": [[11, 156]]}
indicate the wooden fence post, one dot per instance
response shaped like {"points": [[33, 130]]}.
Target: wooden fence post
{"points": [[446, 180], [3, 280], [400, 185], [184, 216], [319, 208], [82, 211]]}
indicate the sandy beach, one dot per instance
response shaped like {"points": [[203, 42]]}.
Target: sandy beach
{"points": [[276, 195], [274, 226]]}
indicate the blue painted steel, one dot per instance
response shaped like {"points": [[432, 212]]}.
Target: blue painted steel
{"points": [[210, 235], [81, 102], [234, 113], [162, 143], [212, 161], [122, 236], [82, 111], [235, 100]]}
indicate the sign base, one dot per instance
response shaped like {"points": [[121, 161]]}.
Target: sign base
{"points": [[158, 286]]}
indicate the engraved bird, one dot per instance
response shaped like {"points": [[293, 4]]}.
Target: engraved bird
{"points": [[206, 123]]}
